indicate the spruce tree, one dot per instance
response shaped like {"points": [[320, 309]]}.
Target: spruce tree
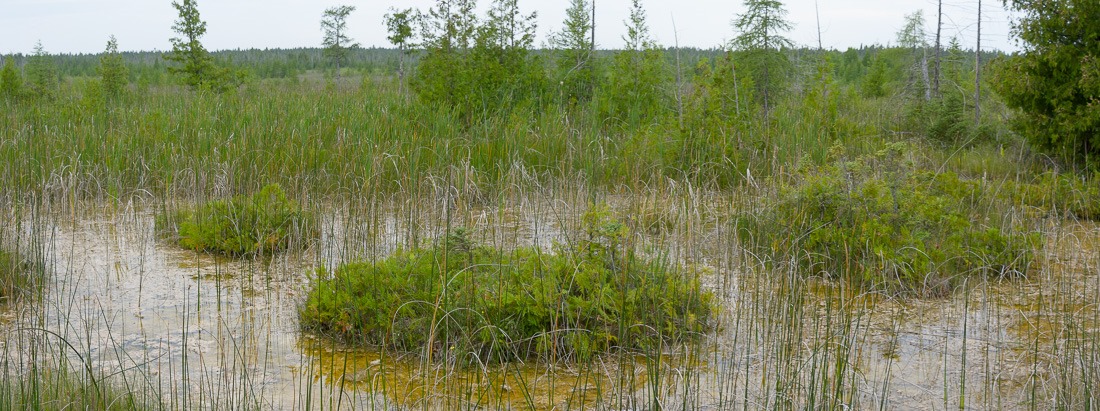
{"points": [[42, 74], [761, 41], [639, 74], [113, 71], [575, 58]]}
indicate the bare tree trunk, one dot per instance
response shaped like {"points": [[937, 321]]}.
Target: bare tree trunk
{"points": [[939, 48], [679, 77], [593, 45], [592, 59], [817, 12], [736, 86], [924, 73], [978, 72]]}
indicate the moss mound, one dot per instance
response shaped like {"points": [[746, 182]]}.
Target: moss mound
{"points": [[263, 223], [483, 304], [888, 227]]}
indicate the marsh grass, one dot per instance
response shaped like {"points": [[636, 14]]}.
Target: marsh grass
{"points": [[388, 177], [19, 277], [64, 389]]}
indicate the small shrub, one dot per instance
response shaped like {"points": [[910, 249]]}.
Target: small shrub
{"points": [[461, 298], [888, 227], [263, 223]]}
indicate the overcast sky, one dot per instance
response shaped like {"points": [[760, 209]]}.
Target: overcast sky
{"points": [[83, 26]]}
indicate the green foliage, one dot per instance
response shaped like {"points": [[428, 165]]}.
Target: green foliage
{"points": [[263, 223], [575, 54], [874, 84], [92, 99], [399, 25], [882, 225], [636, 91], [113, 71], [914, 38], [1054, 84], [11, 82], [719, 97], [336, 41], [761, 42], [478, 68], [461, 298], [193, 62], [948, 120], [43, 79]]}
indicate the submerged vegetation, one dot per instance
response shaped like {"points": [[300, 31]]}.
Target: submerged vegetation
{"points": [[493, 305], [263, 223]]}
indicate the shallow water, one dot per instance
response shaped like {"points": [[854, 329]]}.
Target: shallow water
{"points": [[205, 332]]}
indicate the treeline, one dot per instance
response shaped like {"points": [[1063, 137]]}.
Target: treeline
{"points": [[484, 65], [849, 65]]}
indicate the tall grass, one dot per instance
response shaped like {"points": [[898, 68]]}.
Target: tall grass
{"points": [[382, 173]]}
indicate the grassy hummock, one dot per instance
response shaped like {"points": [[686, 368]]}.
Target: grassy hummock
{"points": [[485, 304], [888, 226], [263, 223]]}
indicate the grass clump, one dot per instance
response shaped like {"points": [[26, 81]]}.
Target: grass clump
{"points": [[889, 227], [19, 276], [1066, 194], [63, 389], [263, 223], [487, 304]]}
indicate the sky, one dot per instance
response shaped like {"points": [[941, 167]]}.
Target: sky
{"points": [[83, 26]]}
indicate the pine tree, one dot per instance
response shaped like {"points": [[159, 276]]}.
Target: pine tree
{"points": [[336, 40], [760, 39], [112, 70]]}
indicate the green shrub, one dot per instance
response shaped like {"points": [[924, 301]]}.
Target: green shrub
{"points": [[486, 304], [887, 227], [263, 223]]}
